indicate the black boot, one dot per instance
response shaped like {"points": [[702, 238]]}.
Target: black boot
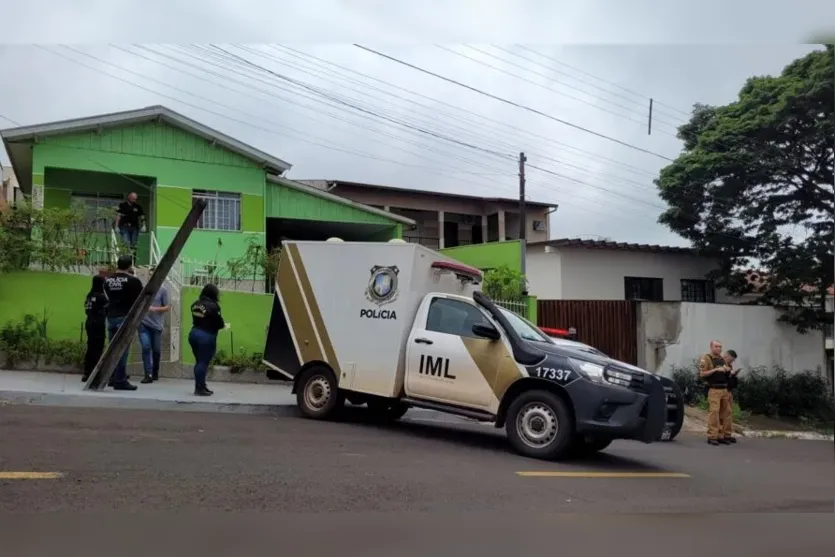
{"points": [[124, 386], [202, 391], [147, 379]]}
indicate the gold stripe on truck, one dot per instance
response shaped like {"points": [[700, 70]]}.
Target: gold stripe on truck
{"points": [[300, 323], [315, 312], [494, 362]]}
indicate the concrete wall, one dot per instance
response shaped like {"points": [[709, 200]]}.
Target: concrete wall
{"points": [[570, 273], [676, 333]]}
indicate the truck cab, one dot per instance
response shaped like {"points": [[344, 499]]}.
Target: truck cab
{"points": [[424, 336]]}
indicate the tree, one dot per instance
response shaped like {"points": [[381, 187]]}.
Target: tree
{"points": [[754, 187]]}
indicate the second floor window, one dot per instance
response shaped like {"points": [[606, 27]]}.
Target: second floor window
{"points": [[643, 288], [223, 211], [697, 291]]}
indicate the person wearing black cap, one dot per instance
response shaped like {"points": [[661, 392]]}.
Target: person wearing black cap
{"points": [[207, 321], [122, 289], [95, 306]]}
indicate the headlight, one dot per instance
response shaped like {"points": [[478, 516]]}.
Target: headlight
{"points": [[618, 378], [593, 371]]}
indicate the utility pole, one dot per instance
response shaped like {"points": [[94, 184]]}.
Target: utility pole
{"points": [[523, 213], [100, 376]]}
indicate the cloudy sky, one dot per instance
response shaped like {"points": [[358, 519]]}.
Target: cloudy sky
{"points": [[337, 111]]}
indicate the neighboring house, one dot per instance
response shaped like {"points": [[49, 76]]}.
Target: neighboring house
{"points": [[574, 269], [170, 160], [9, 188], [445, 220]]}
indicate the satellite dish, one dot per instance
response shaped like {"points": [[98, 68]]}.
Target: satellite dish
{"points": [[335, 240], [397, 241]]}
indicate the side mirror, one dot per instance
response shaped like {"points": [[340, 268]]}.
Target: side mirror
{"points": [[486, 331]]}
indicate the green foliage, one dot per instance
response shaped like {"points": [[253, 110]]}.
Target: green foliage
{"points": [[26, 341], [56, 239], [504, 283], [255, 263], [773, 393], [240, 361], [756, 175]]}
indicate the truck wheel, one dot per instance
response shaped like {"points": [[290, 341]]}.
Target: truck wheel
{"points": [[540, 425], [679, 417], [387, 411], [317, 394]]}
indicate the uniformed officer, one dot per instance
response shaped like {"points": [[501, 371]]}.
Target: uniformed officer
{"points": [[95, 306], [206, 323], [733, 382], [122, 289], [716, 373]]}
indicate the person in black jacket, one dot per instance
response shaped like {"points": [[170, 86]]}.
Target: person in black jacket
{"points": [[95, 306], [122, 289], [206, 323]]}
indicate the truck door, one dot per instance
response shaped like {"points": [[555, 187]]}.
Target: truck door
{"points": [[440, 364]]}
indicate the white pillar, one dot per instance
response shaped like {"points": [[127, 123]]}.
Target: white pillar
{"points": [[440, 230], [484, 229], [501, 225]]}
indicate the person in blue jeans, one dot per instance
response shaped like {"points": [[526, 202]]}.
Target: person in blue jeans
{"points": [[150, 334], [122, 289], [207, 321]]}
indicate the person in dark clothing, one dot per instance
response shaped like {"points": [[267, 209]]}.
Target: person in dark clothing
{"points": [[733, 382], [122, 289], [130, 218], [207, 321], [95, 306]]}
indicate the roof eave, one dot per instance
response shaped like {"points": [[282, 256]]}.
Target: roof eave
{"points": [[337, 199]]}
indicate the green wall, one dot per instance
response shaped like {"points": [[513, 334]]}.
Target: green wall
{"points": [[176, 161], [61, 296], [249, 315], [489, 255]]}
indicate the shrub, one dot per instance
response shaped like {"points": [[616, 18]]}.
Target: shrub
{"points": [[774, 393], [240, 361], [26, 341]]}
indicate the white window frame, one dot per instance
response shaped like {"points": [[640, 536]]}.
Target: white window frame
{"points": [[223, 211]]}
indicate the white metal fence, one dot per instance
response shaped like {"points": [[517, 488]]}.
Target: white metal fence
{"points": [[519, 307]]}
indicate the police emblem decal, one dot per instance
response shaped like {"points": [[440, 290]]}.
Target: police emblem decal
{"points": [[382, 286]]}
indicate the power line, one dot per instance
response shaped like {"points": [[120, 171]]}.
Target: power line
{"points": [[603, 80], [513, 103], [10, 120]]}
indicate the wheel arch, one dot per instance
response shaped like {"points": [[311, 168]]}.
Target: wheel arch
{"points": [[527, 384], [312, 363]]}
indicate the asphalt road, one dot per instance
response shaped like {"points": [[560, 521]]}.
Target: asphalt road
{"points": [[181, 463]]}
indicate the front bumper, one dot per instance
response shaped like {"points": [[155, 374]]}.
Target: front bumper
{"points": [[638, 412]]}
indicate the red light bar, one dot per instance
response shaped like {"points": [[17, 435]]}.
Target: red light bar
{"points": [[554, 332], [457, 268]]}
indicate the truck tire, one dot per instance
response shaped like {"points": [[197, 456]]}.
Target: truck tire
{"points": [[386, 410], [318, 396], [679, 420], [540, 425]]}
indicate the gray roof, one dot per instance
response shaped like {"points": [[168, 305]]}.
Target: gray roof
{"points": [[621, 246], [15, 138], [312, 190]]}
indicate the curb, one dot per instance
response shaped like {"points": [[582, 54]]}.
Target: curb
{"points": [[104, 401], [775, 434]]}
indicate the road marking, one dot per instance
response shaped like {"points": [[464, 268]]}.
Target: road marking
{"points": [[31, 475], [544, 474]]}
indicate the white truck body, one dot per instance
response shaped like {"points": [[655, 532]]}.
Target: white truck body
{"points": [[396, 325]]}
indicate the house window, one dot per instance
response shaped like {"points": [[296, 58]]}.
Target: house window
{"points": [[644, 288], [99, 210], [697, 291], [223, 211]]}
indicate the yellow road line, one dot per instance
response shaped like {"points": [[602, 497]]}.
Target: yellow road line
{"points": [[30, 475], [602, 474]]}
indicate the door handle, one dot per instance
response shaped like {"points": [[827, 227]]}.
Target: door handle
{"points": [[423, 341]]}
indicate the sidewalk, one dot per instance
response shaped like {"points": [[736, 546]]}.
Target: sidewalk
{"points": [[58, 389]]}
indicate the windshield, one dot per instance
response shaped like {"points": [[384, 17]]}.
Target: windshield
{"points": [[525, 328]]}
